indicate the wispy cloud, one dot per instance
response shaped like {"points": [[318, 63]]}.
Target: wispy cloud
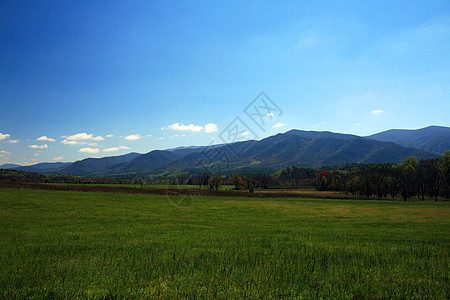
{"points": [[114, 149], [13, 141], [133, 137], [109, 135], [356, 124], [177, 135], [377, 111], [45, 139], [89, 150], [84, 136], [4, 153], [58, 158], [38, 147], [181, 127], [208, 128], [278, 125], [4, 136], [211, 127], [66, 142], [73, 143]]}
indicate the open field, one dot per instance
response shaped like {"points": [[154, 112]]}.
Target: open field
{"points": [[172, 190], [80, 244]]}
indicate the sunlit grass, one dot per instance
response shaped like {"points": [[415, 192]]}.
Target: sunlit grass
{"points": [[76, 244]]}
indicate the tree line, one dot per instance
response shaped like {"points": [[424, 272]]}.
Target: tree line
{"points": [[412, 178]]}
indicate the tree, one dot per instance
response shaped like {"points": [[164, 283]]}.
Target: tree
{"points": [[408, 177], [433, 176], [420, 173], [445, 161], [215, 182], [204, 179], [365, 176], [379, 174], [353, 185], [394, 180], [238, 181], [263, 180]]}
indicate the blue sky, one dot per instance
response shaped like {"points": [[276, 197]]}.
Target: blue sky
{"points": [[91, 79]]}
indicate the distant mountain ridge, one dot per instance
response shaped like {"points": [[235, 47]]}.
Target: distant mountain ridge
{"points": [[43, 167], [435, 139], [295, 147], [93, 165], [303, 149], [9, 166]]}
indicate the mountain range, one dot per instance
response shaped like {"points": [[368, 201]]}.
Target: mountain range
{"points": [[434, 139], [295, 147]]}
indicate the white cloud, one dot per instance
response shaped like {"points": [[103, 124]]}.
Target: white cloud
{"points": [[245, 133], [149, 135], [73, 143], [181, 127], [177, 135], [211, 127], [4, 136], [13, 141], [89, 150], [160, 138], [38, 147], [66, 142], [278, 125], [133, 137], [4, 153], [58, 158], [114, 149], [109, 135], [84, 136], [356, 124], [46, 139], [377, 111], [269, 115]]}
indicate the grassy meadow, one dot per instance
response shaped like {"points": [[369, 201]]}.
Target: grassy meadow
{"points": [[105, 245]]}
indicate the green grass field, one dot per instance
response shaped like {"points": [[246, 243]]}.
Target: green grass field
{"points": [[96, 245]]}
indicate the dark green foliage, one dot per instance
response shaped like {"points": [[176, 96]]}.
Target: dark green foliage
{"points": [[296, 177]]}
